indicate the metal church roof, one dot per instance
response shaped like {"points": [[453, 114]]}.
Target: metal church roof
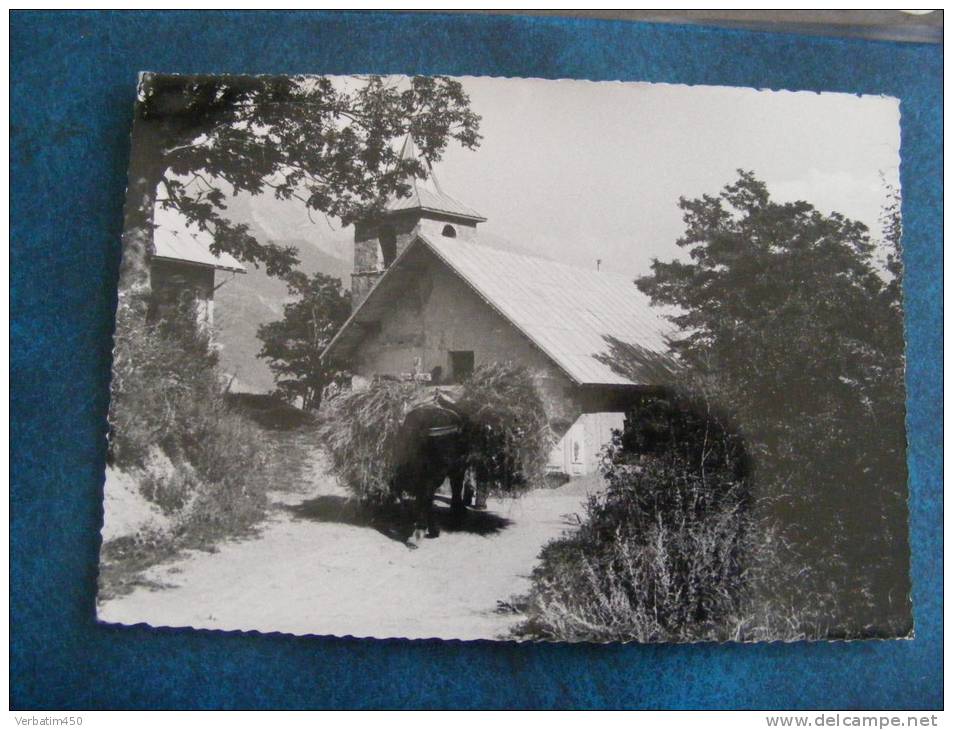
{"points": [[176, 240], [432, 201], [570, 314], [427, 194]]}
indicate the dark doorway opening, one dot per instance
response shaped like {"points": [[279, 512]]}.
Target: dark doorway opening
{"points": [[461, 365]]}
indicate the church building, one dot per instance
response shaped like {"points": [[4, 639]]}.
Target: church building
{"points": [[430, 301]]}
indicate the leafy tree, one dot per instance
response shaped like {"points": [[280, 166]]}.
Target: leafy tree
{"points": [[891, 231], [786, 317], [293, 345], [328, 144]]}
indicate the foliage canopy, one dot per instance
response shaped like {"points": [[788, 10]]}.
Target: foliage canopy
{"points": [[791, 327], [328, 143]]}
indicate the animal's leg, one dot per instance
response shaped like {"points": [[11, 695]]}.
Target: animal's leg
{"points": [[457, 507], [481, 480], [420, 518], [480, 496], [468, 493], [425, 515], [433, 529]]}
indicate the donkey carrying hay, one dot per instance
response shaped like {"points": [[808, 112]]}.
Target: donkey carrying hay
{"points": [[394, 439]]}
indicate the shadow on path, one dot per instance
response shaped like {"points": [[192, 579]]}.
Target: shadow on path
{"points": [[396, 521]]}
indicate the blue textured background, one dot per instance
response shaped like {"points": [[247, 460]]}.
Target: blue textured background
{"points": [[73, 79]]}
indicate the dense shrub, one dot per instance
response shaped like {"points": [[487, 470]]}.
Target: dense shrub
{"points": [[196, 458], [166, 484], [797, 329], [670, 549], [156, 365]]}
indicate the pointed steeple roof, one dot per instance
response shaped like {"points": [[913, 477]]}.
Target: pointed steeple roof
{"points": [[427, 195]]}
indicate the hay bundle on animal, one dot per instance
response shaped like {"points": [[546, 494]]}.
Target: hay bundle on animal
{"points": [[395, 439], [361, 430], [509, 433]]}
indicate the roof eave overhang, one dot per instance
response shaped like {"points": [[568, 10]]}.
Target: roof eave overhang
{"points": [[628, 387], [476, 218], [201, 264]]}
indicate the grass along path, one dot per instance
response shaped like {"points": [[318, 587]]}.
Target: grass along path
{"points": [[319, 565], [127, 553]]}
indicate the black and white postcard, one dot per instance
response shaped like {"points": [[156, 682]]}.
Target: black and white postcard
{"points": [[487, 358]]}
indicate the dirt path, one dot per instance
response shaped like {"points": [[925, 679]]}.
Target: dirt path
{"points": [[320, 566]]}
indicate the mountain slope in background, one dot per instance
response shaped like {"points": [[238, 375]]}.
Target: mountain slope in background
{"points": [[243, 302]]}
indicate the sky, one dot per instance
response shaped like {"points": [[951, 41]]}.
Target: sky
{"points": [[577, 171]]}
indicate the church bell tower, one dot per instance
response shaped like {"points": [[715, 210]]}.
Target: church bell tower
{"points": [[427, 209]]}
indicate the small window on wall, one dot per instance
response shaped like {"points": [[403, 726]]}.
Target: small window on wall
{"points": [[449, 231], [461, 365]]}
